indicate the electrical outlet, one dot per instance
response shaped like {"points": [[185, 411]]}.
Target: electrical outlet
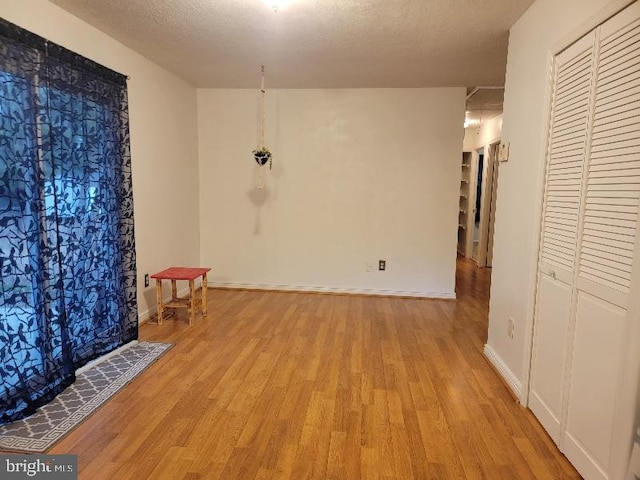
{"points": [[369, 267], [382, 265], [511, 327], [146, 280]]}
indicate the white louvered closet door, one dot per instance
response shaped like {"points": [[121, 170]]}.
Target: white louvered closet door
{"points": [[606, 246], [613, 183], [563, 191], [588, 239], [574, 80]]}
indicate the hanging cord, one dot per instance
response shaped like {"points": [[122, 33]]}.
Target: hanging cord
{"points": [[262, 114], [262, 122], [479, 124]]}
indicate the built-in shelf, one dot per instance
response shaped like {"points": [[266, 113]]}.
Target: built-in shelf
{"points": [[464, 203]]}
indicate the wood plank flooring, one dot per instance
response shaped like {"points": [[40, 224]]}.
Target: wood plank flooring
{"points": [[276, 385]]}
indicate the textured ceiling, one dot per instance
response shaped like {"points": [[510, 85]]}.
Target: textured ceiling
{"points": [[485, 98], [315, 43]]}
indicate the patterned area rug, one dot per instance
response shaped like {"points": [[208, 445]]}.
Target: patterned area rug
{"points": [[92, 388]]}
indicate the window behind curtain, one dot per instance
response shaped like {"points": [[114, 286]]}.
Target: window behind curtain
{"points": [[67, 253]]}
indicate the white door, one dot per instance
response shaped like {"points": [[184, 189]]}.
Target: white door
{"points": [[557, 258], [549, 361], [609, 234]]}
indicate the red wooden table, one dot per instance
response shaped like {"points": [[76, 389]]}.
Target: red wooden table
{"points": [[181, 273]]}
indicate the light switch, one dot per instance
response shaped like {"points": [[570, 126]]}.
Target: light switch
{"points": [[504, 152]]}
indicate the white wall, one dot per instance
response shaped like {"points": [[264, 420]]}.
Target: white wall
{"points": [[163, 116], [482, 135], [544, 27], [358, 175]]}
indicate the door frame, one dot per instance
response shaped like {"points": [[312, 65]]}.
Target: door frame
{"points": [[487, 208], [494, 203]]}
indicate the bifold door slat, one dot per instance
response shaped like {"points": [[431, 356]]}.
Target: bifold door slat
{"points": [[620, 114], [612, 214], [556, 261], [611, 228], [560, 246], [612, 264], [602, 251], [613, 180], [599, 280], [613, 41], [605, 136], [622, 245], [628, 89], [614, 172], [620, 76], [621, 190], [612, 125], [570, 161], [566, 155], [616, 87], [602, 108], [613, 268], [606, 159], [610, 274], [608, 222], [621, 54], [571, 96], [624, 58], [604, 236], [613, 207], [576, 69]]}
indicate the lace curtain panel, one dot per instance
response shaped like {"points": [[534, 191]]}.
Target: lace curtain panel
{"points": [[67, 253]]}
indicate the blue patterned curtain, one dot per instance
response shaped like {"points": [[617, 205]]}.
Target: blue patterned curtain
{"points": [[67, 253]]}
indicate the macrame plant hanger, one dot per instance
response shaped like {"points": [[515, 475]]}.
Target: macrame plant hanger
{"points": [[262, 155]]}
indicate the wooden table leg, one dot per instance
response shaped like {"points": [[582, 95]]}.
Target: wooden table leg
{"points": [[159, 298], [174, 290], [192, 301], [204, 295]]}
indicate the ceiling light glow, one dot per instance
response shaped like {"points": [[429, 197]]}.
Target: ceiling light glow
{"points": [[277, 4]]}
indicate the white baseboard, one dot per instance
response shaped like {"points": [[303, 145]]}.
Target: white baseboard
{"points": [[143, 317], [507, 375], [348, 291]]}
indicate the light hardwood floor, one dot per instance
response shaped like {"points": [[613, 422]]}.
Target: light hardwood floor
{"points": [[294, 386]]}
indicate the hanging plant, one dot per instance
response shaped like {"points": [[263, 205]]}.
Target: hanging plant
{"points": [[262, 156]]}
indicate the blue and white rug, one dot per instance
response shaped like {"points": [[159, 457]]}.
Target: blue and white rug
{"points": [[93, 387]]}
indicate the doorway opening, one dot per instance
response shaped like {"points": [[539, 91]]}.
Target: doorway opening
{"points": [[478, 204], [485, 202]]}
